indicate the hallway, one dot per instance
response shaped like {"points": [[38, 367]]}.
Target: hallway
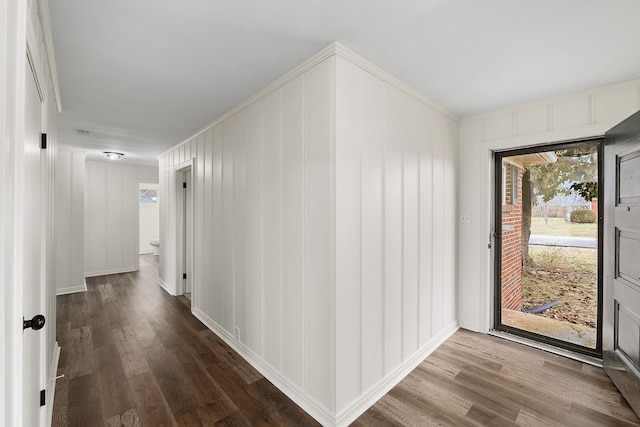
{"points": [[132, 355]]}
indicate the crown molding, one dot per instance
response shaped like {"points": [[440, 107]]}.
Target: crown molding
{"points": [[387, 77], [324, 54], [334, 49]]}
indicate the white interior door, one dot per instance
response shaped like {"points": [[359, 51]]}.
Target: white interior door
{"points": [[621, 310], [33, 246]]}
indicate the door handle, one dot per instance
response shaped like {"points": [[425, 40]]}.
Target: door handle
{"points": [[36, 323]]}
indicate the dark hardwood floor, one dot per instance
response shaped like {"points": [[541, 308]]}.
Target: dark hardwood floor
{"points": [[132, 355], [475, 379]]}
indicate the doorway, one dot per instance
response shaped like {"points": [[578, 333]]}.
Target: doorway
{"points": [[149, 219], [184, 227], [548, 228]]}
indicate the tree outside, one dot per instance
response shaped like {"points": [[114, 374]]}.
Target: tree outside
{"points": [[575, 171]]}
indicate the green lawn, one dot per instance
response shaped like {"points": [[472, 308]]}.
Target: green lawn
{"points": [[558, 227]]}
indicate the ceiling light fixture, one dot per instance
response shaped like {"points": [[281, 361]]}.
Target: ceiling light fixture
{"points": [[112, 155]]}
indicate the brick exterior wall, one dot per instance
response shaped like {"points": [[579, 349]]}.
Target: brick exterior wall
{"points": [[512, 242]]}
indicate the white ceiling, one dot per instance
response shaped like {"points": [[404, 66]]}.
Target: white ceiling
{"points": [[142, 75]]}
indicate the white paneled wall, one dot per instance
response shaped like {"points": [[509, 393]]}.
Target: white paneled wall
{"points": [[575, 116], [324, 231], [111, 216], [69, 221], [395, 183]]}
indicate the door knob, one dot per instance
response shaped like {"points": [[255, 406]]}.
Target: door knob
{"points": [[36, 323]]}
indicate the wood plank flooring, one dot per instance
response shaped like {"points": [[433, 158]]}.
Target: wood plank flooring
{"points": [[475, 379], [132, 355]]}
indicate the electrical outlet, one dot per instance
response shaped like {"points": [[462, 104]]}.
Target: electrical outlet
{"points": [[465, 218], [236, 333]]}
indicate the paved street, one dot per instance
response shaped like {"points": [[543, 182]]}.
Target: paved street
{"points": [[572, 242]]}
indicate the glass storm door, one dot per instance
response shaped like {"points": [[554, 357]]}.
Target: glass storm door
{"points": [[547, 233]]}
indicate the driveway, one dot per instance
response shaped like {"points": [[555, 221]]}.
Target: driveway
{"points": [[570, 242]]}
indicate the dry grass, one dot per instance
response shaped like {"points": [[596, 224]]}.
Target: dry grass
{"points": [[568, 275]]}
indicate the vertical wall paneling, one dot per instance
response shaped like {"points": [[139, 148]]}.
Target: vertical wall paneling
{"points": [[239, 154], [200, 211], [326, 231], [438, 235], [215, 306], [318, 232], [163, 205], [427, 225], [63, 201], [450, 213], [228, 225], [113, 220], [95, 230], [393, 233], [69, 221], [255, 277], [411, 227], [292, 240], [348, 232], [372, 244], [270, 307]]}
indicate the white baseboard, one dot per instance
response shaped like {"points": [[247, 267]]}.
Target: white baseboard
{"points": [[164, 285], [111, 271], [377, 391], [309, 405], [51, 384], [72, 289]]}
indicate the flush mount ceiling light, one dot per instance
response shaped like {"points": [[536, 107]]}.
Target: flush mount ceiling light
{"points": [[112, 155]]}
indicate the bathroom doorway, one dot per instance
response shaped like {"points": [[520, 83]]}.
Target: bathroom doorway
{"points": [[149, 219]]}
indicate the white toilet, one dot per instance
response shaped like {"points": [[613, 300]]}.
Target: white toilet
{"points": [[156, 246]]}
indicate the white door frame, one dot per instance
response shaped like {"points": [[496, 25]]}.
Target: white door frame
{"points": [[180, 171], [487, 294], [13, 19]]}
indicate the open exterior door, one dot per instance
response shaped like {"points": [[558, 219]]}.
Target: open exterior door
{"points": [[621, 299]]}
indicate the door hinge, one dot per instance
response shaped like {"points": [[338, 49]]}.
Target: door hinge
{"points": [[184, 185], [43, 399], [43, 141], [184, 275]]}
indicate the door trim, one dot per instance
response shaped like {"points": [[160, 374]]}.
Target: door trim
{"points": [[187, 167]]}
